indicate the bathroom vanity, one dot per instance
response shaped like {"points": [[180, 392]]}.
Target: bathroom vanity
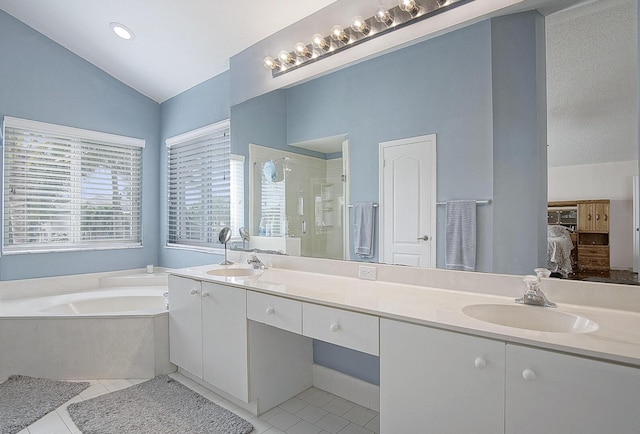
{"points": [[571, 369]]}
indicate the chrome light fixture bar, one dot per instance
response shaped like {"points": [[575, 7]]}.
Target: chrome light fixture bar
{"points": [[360, 30]]}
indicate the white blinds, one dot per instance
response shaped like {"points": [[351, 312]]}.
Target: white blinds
{"points": [[206, 190], [66, 188]]}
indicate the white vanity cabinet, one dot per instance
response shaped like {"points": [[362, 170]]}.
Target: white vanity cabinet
{"points": [[548, 392], [455, 383], [185, 324], [224, 339], [208, 333], [439, 381]]}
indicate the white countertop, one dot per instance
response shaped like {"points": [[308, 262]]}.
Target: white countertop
{"points": [[616, 339]]}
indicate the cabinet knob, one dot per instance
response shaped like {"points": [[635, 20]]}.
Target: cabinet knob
{"points": [[270, 311], [529, 374], [205, 293], [589, 217], [597, 216], [606, 217], [193, 291], [480, 363], [334, 327]]}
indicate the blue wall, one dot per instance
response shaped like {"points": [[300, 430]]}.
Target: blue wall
{"points": [[42, 81], [481, 89], [202, 105], [470, 87]]}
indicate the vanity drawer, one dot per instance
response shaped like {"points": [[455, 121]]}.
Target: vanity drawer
{"points": [[275, 311], [348, 329]]}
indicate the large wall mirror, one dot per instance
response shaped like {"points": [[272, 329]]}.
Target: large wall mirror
{"points": [[592, 122]]}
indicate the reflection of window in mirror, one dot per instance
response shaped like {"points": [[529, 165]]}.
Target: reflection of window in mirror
{"points": [[272, 202]]}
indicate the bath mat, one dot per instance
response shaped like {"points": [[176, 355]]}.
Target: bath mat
{"points": [[24, 400], [161, 405]]}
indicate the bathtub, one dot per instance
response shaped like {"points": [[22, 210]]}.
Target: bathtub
{"points": [[118, 330]]}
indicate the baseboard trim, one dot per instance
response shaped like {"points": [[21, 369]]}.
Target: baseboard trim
{"points": [[347, 387]]}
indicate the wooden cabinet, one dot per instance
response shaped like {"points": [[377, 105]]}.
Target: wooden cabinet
{"points": [[552, 393], [439, 382], [593, 216], [593, 235]]}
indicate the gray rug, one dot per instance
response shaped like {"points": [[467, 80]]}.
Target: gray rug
{"points": [[24, 400], [161, 405]]}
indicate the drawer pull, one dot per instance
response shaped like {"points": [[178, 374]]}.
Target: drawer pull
{"points": [[334, 327], [529, 374], [270, 311], [193, 291], [205, 293], [480, 363]]}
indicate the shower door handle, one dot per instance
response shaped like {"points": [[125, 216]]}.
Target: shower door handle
{"points": [[424, 238]]}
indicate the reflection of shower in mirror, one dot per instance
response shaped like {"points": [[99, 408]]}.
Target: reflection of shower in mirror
{"points": [[298, 198]]}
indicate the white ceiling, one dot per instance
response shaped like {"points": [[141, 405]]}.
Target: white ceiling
{"points": [[592, 83], [178, 43]]}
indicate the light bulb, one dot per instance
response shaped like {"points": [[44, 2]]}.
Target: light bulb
{"points": [[270, 63], [409, 6], [319, 42], [384, 16], [302, 50], [359, 24], [338, 33], [286, 57]]}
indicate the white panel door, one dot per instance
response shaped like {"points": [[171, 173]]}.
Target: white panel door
{"points": [[408, 201]]}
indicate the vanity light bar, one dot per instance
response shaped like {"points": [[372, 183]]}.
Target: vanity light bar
{"points": [[361, 29]]}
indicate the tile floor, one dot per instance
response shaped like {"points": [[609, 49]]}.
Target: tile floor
{"points": [[314, 411]]}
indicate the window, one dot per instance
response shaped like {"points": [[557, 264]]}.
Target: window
{"points": [[206, 187], [68, 189]]}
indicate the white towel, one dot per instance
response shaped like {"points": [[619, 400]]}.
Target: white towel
{"points": [[460, 235], [363, 229]]}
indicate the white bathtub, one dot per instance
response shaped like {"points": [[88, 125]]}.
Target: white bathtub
{"points": [[116, 301], [109, 332]]}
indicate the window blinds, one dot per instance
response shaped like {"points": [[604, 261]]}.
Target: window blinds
{"points": [[206, 187], [66, 188]]}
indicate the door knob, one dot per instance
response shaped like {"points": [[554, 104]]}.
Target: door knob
{"points": [[424, 238]]}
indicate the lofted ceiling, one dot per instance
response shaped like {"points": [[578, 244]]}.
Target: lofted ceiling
{"points": [[177, 44]]}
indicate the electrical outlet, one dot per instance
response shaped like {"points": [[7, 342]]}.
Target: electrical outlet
{"points": [[367, 273]]}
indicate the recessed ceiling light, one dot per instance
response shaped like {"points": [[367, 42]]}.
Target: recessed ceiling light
{"points": [[122, 31]]}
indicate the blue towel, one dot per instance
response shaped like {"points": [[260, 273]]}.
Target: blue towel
{"points": [[363, 229], [460, 235]]}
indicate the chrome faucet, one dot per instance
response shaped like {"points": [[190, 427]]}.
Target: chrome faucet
{"points": [[534, 295], [255, 263]]}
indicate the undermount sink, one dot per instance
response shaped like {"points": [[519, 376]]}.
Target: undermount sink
{"points": [[235, 272], [531, 318]]}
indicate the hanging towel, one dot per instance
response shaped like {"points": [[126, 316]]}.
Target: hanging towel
{"points": [[363, 229], [460, 235]]}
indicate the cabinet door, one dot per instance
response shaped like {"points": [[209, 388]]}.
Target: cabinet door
{"points": [[224, 339], [586, 217], [185, 324], [439, 382], [601, 222], [551, 393]]}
